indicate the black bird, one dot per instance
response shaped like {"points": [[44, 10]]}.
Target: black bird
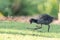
{"points": [[44, 19]]}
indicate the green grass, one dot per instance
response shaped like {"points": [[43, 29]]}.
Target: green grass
{"points": [[27, 29]]}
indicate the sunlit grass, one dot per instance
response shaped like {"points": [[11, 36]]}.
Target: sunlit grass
{"points": [[23, 29]]}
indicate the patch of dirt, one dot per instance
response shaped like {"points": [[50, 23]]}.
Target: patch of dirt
{"points": [[23, 19]]}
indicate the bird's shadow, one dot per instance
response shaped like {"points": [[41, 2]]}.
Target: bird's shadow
{"points": [[34, 29]]}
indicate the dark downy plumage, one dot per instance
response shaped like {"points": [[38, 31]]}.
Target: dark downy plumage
{"points": [[44, 19]]}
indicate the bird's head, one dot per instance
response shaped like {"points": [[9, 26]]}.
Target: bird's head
{"points": [[32, 20]]}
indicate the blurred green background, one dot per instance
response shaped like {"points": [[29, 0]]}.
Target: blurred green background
{"points": [[29, 7]]}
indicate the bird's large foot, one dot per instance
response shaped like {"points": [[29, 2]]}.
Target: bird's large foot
{"points": [[38, 28]]}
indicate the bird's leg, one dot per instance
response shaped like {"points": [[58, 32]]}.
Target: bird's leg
{"points": [[48, 27], [38, 27], [41, 26]]}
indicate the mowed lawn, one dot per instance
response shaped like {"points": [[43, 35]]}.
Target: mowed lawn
{"points": [[26, 29]]}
